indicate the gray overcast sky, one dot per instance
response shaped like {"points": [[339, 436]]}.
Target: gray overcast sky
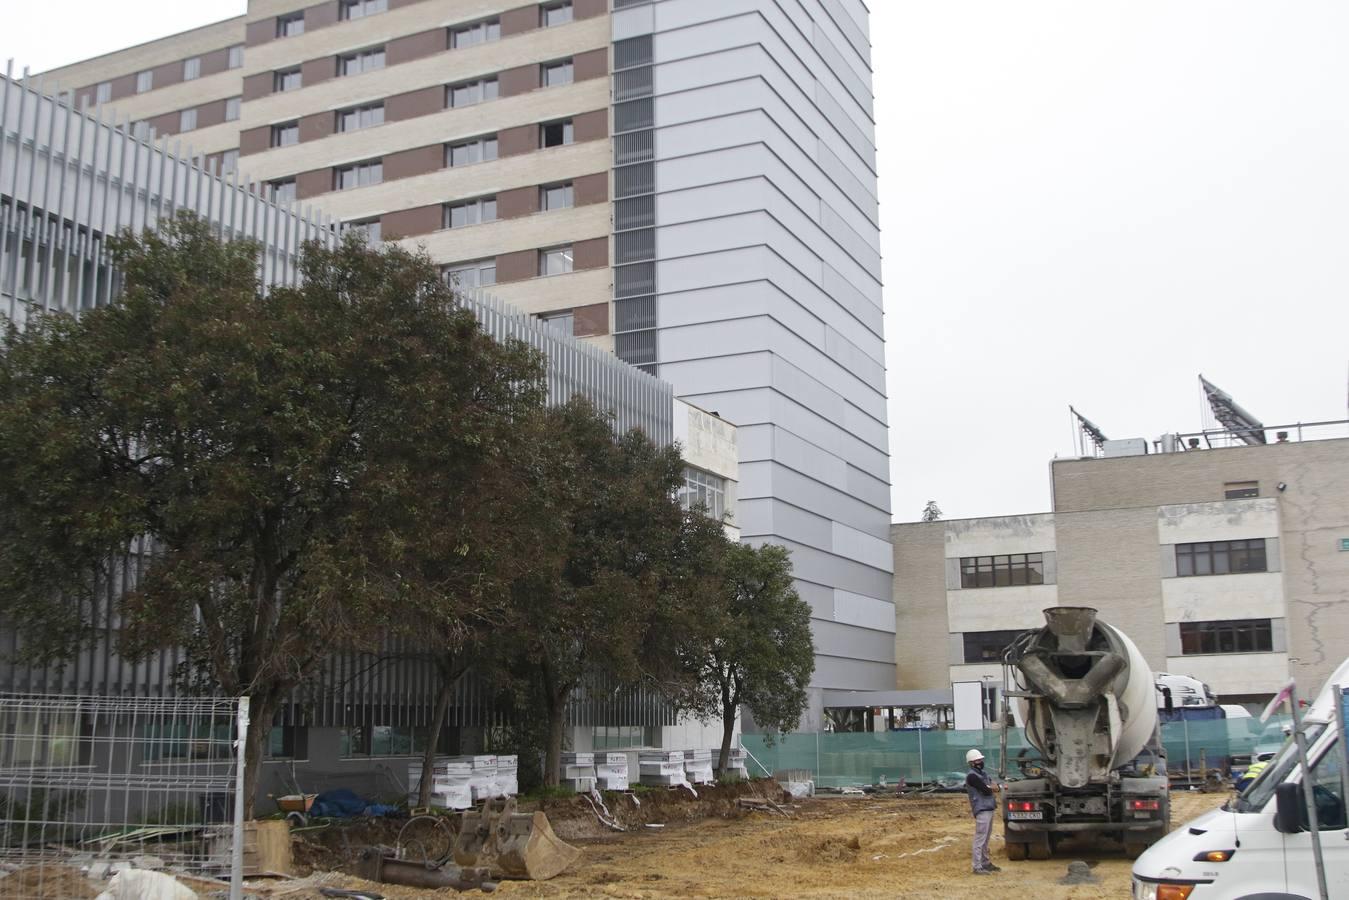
{"points": [[1082, 202]]}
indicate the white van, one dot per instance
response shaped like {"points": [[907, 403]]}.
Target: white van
{"points": [[1258, 846]]}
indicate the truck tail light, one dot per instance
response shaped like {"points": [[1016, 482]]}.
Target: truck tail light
{"points": [[1022, 805], [1142, 805]]}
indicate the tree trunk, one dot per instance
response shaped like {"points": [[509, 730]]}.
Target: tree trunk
{"points": [[552, 758], [728, 706], [437, 723], [262, 709]]}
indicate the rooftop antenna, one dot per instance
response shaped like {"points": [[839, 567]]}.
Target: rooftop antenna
{"points": [[1239, 423], [1089, 430]]}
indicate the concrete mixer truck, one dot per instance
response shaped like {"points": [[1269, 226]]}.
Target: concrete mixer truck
{"points": [[1087, 700]]}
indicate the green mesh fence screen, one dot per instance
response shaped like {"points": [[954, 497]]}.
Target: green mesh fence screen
{"points": [[842, 760]]}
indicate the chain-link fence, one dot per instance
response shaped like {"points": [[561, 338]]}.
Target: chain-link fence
{"points": [[926, 757], [90, 786]]}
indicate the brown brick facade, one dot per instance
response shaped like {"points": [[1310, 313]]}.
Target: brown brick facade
{"points": [[412, 222], [517, 266], [519, 20], [590, 189], [590, 320], [591, 126], [520, 80], [592, 254], [418, 161], [317, 126], [312, 184], [258, 86], [517, 202], [518, 140], [591, 64], [317, 71], [415, 46], [414, 103], [255, 140]]}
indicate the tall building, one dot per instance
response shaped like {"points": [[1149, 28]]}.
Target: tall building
{"points": [[690, 185], [1228, 563]]}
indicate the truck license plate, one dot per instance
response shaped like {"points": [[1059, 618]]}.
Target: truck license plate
{"points": [[1033, 814]]}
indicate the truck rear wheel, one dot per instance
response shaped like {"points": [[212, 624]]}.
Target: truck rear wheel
{"points": [[1039, 848], [1016, 851]]}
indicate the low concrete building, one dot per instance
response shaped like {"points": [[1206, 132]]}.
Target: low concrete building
{"points": [[1230, 564]]}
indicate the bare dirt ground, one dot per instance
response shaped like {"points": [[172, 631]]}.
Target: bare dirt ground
{"points": [[881, 847], [872, 847], [865, 847]]}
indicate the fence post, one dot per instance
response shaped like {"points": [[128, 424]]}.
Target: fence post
{"points": [[1189, 769], [237, 845]]}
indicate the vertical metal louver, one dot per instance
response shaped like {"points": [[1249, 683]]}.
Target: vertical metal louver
{"points": [[634, 115], [632, 180], [635, 146], [632, 83], [634, 212], [635, 280], [634, 313], [634, 246], [634, 51]]}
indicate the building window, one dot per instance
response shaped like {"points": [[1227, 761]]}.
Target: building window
{"points": [[363, 61], [555, 14], [465, 153], [287, 742], [229, 162], [145, 81], [192, 68], [705, 489], [470, 212], [358, 175], [236, 57], [988, 646], [555, 261], [561, 322], [556, 134], [1221, 557], [1240, 490], [372, 230], [38, 739], [290, 25], [232, 108], [103, 92], [287, 80], [283, 191], [471, 92], [477, 33], [285, 134], [187, 120], [1002, 571], [478, 273], [360, 117], [175, 739], [1232, 636], [557, 73], [359, 9], [557, 196], [385, 740]]}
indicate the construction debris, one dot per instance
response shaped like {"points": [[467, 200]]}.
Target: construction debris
{"points": [[375, 866]]}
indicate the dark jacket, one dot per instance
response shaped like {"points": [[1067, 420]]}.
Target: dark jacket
{"points": [[979, 787]]}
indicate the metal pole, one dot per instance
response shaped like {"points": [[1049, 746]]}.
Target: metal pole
{"points": [[237, 847], [1307, 793], [922, 779], [1189, 771]]}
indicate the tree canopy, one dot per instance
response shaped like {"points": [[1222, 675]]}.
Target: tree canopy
{"points": [[304, 461]]}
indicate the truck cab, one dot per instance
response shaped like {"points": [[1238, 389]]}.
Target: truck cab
{"points": [[1259, 846]]}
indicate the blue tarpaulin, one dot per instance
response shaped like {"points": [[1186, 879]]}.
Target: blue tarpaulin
{"points": [[344, 804]]}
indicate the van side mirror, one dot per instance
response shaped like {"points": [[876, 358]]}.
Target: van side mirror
{"points": [[1289, 808]]}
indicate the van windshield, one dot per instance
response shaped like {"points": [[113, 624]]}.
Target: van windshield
{"points": [[1276, 773]]}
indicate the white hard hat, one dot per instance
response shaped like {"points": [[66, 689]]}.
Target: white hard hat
{"points": [[973, 756]]}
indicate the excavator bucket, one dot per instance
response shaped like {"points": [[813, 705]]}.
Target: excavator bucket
{"points": [[528, 848], [516, 845]]}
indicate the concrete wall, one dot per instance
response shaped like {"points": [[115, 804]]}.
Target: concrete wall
{"points": [[1311, 513]]}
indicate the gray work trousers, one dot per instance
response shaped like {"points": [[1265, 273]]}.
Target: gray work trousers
{"points": [[983, 830]]}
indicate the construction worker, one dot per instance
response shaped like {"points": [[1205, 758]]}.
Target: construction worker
{"points": [[1251, 773], [983, 803]]}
